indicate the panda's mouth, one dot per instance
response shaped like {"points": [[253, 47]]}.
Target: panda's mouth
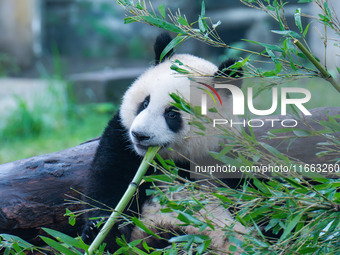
{"points": [[141, 149]]}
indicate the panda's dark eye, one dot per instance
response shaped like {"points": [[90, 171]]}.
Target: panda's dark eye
{"points": [[143, 105], [172, 114], [173, 119]]}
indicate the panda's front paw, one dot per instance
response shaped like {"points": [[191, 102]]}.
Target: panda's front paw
{"points": [[90, 231]]}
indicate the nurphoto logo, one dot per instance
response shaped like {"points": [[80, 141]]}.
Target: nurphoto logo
{"points": [[293, 96]]}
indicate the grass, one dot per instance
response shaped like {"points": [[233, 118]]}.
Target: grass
{"points": [[76, 131], [50, 122]]}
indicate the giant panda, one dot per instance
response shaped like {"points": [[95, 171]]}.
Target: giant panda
{"points": [[148, 118]]}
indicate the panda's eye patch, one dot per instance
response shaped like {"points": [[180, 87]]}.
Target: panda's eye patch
{"points": [[173, 119], [172, 114], [143, 105]]}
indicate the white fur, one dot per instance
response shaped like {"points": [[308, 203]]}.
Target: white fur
{"points": [[158, 82], [213, 212]]}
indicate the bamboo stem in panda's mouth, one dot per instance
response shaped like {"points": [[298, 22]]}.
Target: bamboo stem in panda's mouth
{"points": [[143, 167]]}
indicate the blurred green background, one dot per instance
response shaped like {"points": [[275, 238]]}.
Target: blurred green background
{"points": [[64, 65]]}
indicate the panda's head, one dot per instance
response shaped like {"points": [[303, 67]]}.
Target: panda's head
{"points": [[147, 111]]}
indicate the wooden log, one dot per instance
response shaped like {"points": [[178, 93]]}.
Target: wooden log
{"points": [[33, 190]]}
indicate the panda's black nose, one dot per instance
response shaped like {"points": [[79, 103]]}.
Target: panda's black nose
{"points": [[140, 136]]}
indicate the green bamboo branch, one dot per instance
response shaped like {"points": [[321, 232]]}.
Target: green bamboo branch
{"points": [[150, 154], [327, 76]]}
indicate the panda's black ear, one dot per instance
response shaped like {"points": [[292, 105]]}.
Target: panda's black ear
{"points": [[224, 69], [226, 74], [161, 42]]}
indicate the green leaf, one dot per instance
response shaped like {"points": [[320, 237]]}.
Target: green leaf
{"points": [[287, 33], [308, 250], [174, 42], [239, 64], [269, 73], [306, 30], [65, 238], [182, 21], [141, 225], [161, 10], [139, 6], [157, 178], [301, 132], [232, 248], [125, 2], [72, 217], [224, 199], [328, 11], [274, 151], [203, 9], [305, 1], [331, 124], [295, 183], [203, 246], [297, 17], [188, 219], [188, 238], [272, 56], [58, 246], [291, 225], [266, 45], [199, 125], [201, 20], [275, 60], [179, 70], [288, 48], [157, 22], [132, 19], [11, 238]]}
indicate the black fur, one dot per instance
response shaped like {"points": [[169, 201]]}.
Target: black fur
{"points": [[112, 170], [161, 42], [224, 71], [173, 119], [115, 163], [143, 105]]}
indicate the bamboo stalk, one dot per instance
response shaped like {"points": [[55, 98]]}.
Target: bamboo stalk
{"points": [[328, 77], [150, 154]]}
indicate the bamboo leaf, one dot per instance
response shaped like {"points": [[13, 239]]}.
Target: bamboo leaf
{"points": [[291, 225], [161, 10], [297, 17], [274, 151], [182, 21], [266, 45], [287, 33], [141, 225], [157, 22], [65, 238], [54, 244], [174, 42], [14, 239], [299, 132], [306, 30]]}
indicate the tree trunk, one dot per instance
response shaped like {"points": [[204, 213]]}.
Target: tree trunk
{"points": [[33, 191]]}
